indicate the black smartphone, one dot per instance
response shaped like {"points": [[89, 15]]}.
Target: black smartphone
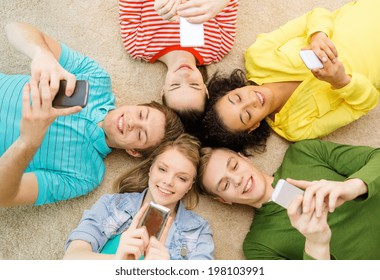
{"points": [[154, 219], [78, 98]]}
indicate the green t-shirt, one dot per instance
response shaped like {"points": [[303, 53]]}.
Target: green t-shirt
{"points": [[355, 225]]}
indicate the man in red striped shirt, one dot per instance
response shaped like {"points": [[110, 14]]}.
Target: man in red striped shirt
{"points": [[147, 36]]}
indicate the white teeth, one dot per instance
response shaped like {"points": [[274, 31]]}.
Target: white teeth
{"points": [[120, 124], [248, 186], [165, 191], [260, 97]]}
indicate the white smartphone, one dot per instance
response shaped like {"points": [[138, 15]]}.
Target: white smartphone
{"points": [[192, 35], [310, 59], [284, 193]]}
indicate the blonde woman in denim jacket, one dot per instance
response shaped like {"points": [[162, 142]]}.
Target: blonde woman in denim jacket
{"points": [[109, 229]]}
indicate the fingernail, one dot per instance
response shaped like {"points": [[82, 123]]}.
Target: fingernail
{"points": [[324, 59]]}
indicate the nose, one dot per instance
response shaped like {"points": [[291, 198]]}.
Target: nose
{"points": [[130, 124], [168, 180], [236, 179], [250, 98]]}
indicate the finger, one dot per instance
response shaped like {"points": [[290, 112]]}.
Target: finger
{"points": [[138, 216], [46, 102], [320, 201], [166, 230], [294, 210], [333, 198], [299, 183], [26, 99], [35, 95], [159, 5], [70, 85], [169, 10], [36, 76], [54, 85], [67, 111], [195, 18]]}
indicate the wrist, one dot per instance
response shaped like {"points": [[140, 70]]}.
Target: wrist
{"points": [[318, 250], [342, 82], [359, 185]]}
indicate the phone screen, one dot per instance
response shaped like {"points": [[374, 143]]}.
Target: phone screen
{"points": [[155, 219], [78, 98], [284, 193]]}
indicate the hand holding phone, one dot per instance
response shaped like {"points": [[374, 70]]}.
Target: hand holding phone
{"points": [[155, 219], [192, 34], [78, 98], [284, 193], [310, 59]]}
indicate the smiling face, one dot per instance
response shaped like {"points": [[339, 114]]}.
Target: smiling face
{"points": [[242, 109], [134, 127], [184, 88], [234, 179], [171, 176]]}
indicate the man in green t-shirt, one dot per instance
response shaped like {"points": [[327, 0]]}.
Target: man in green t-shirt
{"points": [[337, 217]]}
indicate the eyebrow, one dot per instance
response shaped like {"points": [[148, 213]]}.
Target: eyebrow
{"points": [[240, 115], [228, 162], [146, 132], [191, 86]]}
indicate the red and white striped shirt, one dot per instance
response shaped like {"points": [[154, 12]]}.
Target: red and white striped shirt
{"points": [[147, 36]]}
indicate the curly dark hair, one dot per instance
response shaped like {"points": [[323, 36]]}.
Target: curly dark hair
{"points": [[214, 132]]}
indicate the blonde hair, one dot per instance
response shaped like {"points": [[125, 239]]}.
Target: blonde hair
{"points": [[136, 179]]}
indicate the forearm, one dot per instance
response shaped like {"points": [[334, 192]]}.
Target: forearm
{"points": [[12, 166], [26, 39], [82, 250]]}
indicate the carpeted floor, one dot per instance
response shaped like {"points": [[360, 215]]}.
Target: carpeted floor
{"points": [[91, 26]]}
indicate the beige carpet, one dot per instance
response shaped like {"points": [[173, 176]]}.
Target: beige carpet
{"points": [[91, 26]]}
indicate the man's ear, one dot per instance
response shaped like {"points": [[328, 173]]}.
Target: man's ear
{"points": [[222, 200], [254, 127], [133, 153]]}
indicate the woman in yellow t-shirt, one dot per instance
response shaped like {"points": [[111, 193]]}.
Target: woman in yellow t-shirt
{"points": [[298, 103]]}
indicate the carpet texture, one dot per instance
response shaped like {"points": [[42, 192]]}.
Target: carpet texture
{"points": [[92, 27]]}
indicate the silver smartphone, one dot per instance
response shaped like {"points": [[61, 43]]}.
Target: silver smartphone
{"points": [[191, 34], [310, 59], [154, 219], [284, 193]]}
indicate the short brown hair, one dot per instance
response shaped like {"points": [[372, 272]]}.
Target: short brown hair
{"points": [[173, 126]]}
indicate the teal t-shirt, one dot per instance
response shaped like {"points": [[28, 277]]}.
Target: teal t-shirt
{"points": [[69, 162]]}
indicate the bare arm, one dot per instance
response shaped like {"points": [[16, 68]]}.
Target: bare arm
{"points": [[44, 52]]}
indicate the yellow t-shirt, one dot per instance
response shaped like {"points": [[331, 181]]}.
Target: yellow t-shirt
{"points": [[315, 109]]}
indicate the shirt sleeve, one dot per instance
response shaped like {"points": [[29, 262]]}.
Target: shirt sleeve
{"points": [[90, 228], [274, 56], [130, 19], [55, 186], [360, 162], [205, 246]]}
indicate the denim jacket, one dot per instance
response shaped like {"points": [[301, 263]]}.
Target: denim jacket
{"points": [[189, 237]]}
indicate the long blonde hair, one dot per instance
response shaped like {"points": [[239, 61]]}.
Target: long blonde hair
{"points": [[136, 179]]}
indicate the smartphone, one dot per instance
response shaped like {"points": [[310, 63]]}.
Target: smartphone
{"points": [[310, 59], [78, 98], [154, 219], [284, 193], [191, 34]]}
